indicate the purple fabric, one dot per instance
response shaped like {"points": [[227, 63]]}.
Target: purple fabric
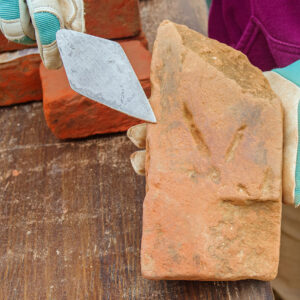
{"points": [[268, 32]]}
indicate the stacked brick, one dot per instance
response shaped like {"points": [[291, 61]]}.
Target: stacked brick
{"points": [[20, 80]]}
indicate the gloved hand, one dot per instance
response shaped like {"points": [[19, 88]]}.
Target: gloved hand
{"points": [[137, 134], [37, 21], [286, 84]]}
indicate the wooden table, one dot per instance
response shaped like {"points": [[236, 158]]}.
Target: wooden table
{"points": [[71, 220]]}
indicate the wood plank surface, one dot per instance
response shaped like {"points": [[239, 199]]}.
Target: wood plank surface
{"points": [[71, 219]]}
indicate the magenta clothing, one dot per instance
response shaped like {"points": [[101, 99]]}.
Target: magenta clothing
{"points": [[267, 31]]}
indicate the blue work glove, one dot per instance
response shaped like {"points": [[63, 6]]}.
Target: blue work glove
{"points": [[285, 82], [37, 21]]}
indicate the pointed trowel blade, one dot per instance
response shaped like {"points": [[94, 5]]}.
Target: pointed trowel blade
{"points": [[100, 70]]}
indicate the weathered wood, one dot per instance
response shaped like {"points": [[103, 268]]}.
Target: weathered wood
{"points": [[71, 219]]}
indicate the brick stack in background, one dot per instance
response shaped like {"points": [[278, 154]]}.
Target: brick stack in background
{"points": [[6, 45], [19, 73], [19, 77], [112, 19], [70, 115]]}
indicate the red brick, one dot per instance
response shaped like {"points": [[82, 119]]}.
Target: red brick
{"points": [[20, 80], [6, 45], [141, 37], [70, 115], [213, 166], [112, 19]]}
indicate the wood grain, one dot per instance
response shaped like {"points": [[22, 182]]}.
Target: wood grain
{"points": [[71, 219]]}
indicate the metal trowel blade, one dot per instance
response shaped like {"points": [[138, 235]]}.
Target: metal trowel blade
{"points": [[100, 70]]}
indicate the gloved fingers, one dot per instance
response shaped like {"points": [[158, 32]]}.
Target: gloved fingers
{"points": [[47, 19], [137, 134], [15, 22], [138, 162], [73, 14]]}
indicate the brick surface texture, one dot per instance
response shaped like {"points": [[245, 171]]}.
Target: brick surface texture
{"points": [[213, 164], [20, 80]]}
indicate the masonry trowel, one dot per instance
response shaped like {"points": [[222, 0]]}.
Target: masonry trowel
{"points": [[99, 69]]}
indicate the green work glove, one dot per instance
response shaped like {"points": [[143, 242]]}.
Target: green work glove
{"points": [[37, 21], [285, 82]]}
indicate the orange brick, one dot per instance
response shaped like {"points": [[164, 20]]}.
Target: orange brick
{"points": [[110, 19], [141, 37], [20, 80], [6, 45], [70, 115], [212, 209]]}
